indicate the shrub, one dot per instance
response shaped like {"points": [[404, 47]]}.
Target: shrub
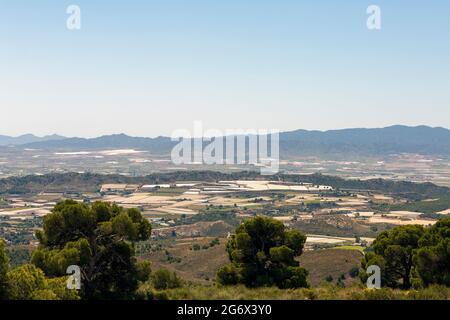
{"points": [[164, 279], [144, 270], [354, 272], [228, 275]]}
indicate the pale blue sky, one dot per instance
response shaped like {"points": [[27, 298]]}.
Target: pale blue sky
{"points": [[146, 68]]}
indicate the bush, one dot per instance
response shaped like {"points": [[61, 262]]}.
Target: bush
{"points": [[144, 270], [44, 295], [228, 275], [29, 283], [214, 242], [24, 281], [354, 272], [296, 278], [164, 279]]}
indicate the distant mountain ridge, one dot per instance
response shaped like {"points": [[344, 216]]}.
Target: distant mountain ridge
{"points": [[159, 145], [28, 138], [379, 141]]}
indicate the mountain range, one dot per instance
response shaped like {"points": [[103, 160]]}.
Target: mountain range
{"points": [[359, 141], [27, 138]]}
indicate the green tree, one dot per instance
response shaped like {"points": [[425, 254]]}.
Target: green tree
{"points": [[393, 252], [262, 253], [24, 281], [370, 259], [432, 259], [28, 282], [4, 268], [99, 239]]}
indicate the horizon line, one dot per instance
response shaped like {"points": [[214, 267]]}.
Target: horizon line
{"points": [[168, 136]]}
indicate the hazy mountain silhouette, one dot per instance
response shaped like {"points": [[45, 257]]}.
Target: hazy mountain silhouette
{"points": [[27, 138], [379, 141]]}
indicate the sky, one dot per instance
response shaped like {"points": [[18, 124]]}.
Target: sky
{"points": [[147, 68]]}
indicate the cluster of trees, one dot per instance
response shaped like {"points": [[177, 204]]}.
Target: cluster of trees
{"points": [[262, 253], [411, 256], [99, 239], [28, 282]]}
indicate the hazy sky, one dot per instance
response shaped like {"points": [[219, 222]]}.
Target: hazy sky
{"points": [[146, 68]]}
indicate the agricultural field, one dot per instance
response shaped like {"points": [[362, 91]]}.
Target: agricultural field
{"points": [[319, 210]]}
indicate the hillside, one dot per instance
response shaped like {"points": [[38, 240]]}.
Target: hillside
{"points": [[322, 264], [200, 266]]}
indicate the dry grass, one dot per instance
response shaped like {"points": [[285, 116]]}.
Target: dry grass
{"points": [[269, 293], [201, 266], [328, 262], [195, 266]]}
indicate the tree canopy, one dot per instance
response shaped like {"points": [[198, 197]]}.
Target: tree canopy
{"points": [[97, 238], [262, 253], [432, 259], [4, 268], [411, 255], [28, 282]]}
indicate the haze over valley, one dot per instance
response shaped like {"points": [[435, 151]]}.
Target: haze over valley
{"points": [[418, 154]]}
